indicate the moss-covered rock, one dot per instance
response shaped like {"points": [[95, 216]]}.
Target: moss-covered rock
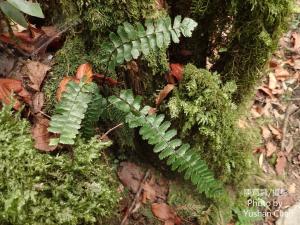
{"points": [[40, 188]]}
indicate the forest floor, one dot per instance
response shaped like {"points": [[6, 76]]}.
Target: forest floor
{"points": [[151, 198]]}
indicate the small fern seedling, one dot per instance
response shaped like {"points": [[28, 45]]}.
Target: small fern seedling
{"points": [[131, 41], [70, 112], [155, 130]]}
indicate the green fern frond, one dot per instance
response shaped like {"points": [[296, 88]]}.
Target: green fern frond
{"points": [[70, 112], [155, 130], [131, 41], [95, 109]]}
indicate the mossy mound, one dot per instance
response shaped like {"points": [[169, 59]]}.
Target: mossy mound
{"points": [[202, 106], [40, 188]]}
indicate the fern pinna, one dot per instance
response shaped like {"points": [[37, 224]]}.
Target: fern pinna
{"points": [[179, 156], [71, 110], [130, 41]]}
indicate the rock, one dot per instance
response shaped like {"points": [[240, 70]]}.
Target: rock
{"points": [[290, 216]]}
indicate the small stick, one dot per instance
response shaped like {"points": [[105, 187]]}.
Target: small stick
{"points": [[44, 114], [285, 124], [136, 198], [111, 129]]}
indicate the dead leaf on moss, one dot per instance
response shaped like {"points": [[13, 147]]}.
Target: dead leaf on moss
{"points": [[275, 131], [280, 163], [36, 72], [41, 135], [10, 86], [85, 70], [165, 213], [164, 93], [177, 70]]}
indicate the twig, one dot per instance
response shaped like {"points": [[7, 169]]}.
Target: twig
{"points": [[136, 198], [44, 114], [285, 124], [111, 129]]}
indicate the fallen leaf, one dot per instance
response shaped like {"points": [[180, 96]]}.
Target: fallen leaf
{"points": [[38, 102], [281, 74], [266, 133], [272, 81], [7, 63], [280, 163], [176, 70], [41, 135], [165, 213], [85, 70], [106, 80], [155, 190], [130, 175], [271, 148], [36, 72], [267, 91], [9, 86], [289, 147], [164, 93]]}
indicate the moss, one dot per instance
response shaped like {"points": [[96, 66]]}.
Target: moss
{"points": [[59, 189], [203, 108], [67, 60]]}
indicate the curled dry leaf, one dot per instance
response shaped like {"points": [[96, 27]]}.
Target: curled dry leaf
{"points": [[276, 132], [85, 70], [9, 86], [165, 213], [280, 163], [41, 135], [164, 93], [36, 72]]}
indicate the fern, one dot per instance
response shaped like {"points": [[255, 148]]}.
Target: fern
{"points": [[131, 41], [95, 109], [70, 112], [179, 156]]}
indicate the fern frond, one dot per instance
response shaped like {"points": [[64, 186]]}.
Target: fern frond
{"points": [[70, 112], [92, 115], [131, 41], [155, 130]]}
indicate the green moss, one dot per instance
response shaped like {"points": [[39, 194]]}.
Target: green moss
{"points": [[66, 60], [204, 110], [39, 188]]}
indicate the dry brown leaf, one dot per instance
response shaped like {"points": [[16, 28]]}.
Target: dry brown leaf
{"points": [[271, 148], [85, 70], [155, 190], [177, 71], [9, 86], [272, 81], [289, 147], [165, 213], [130, 175], [36, 72], [164, 93], [41, 135], [38, 102], [282, 74], [280, 163], [267, 91]]}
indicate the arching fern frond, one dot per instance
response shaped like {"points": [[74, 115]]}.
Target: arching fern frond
{"points": [[155, 130], [70, 112], [131, 41]]}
